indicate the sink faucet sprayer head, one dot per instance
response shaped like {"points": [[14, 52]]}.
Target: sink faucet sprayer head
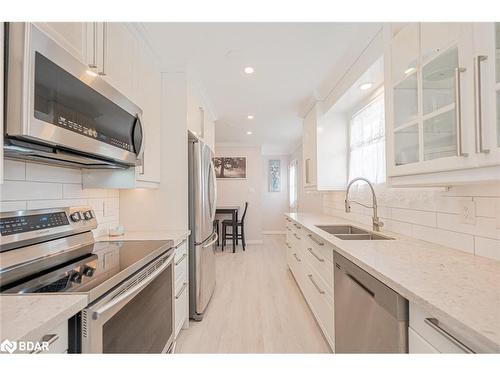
{"points": [[347, 206]]}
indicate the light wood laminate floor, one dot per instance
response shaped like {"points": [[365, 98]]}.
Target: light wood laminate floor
{"points": [[257, 307]]}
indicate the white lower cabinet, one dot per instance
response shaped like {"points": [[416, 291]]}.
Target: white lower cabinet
{"points": [[181, 287], [55, 340], [312, 269], [427, 335]]}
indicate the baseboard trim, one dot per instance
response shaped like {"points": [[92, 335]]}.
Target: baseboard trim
{"points": [[274, 232]]}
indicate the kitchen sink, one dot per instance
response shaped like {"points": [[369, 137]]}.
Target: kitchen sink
{"points": [[348, 232], [341, 229]]}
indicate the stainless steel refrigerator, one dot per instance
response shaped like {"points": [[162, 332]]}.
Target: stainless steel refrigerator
{"points": [[202, 200]]}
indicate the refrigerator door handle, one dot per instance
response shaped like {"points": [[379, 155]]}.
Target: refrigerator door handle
{"points": [[214, 185]]}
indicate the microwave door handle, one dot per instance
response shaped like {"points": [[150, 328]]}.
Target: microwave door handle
{"points": [[132, 291], [140, 155]]}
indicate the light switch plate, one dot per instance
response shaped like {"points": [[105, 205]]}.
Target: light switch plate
{"points": [[468, 212]]}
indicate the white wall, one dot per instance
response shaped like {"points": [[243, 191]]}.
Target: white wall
{"points": [[236, 192], [274, 204], [431, 215], [165, 208], [37, 186]]}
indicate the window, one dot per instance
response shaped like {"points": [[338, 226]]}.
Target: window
{"points": [[367, 142], [293, 183]]}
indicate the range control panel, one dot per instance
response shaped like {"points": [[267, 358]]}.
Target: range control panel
{"points": [[20, 228], [21, 224]]}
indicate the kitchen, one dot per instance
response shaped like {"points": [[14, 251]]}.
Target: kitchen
{"points": [[163, 194]]}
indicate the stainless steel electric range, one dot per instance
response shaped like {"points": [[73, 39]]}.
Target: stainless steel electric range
{"points": [[129, 284]]}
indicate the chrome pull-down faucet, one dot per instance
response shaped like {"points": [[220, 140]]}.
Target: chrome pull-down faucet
{"points": [[377, 224]]}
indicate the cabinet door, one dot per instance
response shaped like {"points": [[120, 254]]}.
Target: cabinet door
{"points": [[117, 55], [309, 148], [72, 36], [432, 105], [209, 129], [487, 92], [149, 96]]}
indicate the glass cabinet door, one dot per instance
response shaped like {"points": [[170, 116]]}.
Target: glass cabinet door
{"points": [[438, 105]]}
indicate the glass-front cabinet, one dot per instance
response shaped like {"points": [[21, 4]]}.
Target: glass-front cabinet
{"points": [[441, 98]]}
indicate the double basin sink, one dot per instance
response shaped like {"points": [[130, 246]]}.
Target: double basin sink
{"points": [[348, 232]]}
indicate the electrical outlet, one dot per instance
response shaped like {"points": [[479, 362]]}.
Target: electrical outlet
{"points": [[468, 212]]}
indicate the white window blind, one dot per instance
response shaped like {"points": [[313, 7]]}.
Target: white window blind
{"points": [[367, 142], [293, 183]]}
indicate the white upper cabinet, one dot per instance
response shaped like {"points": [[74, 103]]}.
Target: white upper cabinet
{"points": [[487, 92], [309, 147], [431, 106], [72, 36], [199, 117]]}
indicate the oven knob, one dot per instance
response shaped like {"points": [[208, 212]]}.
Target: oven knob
{"points": [[88, 271], [76, 277], [87, 215], [75, 217]]}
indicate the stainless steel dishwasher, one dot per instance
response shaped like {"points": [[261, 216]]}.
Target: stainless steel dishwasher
{"points": [[370, 317]]}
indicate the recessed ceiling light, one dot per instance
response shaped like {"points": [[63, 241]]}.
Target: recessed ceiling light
{"points": [[409, 70], [91, 73], [249, 70], [249, 132], [250, 117], [366, 86]]}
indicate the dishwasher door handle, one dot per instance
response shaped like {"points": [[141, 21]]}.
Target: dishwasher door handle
{"points": [[360, 284]]}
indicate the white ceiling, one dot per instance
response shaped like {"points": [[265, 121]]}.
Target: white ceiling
{"points": [[292, 61]]}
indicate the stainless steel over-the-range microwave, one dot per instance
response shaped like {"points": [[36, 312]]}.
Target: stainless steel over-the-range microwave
{"points": [[60, 111]]}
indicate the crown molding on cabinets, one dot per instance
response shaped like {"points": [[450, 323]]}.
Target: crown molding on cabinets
{"points": [[140, 33]]}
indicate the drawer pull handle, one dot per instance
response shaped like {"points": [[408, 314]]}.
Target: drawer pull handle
{"points": [[434, 323], [49, 339], [315, 255], [320, 291], [288, 245], [296, 257], [184, 256], [184, 285], [297, 226], [297, 237], [316, 240], [287, 228]]}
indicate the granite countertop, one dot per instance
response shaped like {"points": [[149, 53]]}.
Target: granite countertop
{"points": [[177, 236], [458, 288], [29, 317]]}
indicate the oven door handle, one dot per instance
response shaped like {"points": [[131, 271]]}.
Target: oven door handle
{"points": [[132, 291]]}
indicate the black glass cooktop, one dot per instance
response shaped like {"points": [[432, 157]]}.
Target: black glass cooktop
{"points": [[106, 263]]}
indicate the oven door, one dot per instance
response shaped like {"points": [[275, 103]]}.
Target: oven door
{"points": [[137, 317], [54, 99]]}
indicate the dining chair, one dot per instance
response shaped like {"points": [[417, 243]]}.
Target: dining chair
{"points": [[240, 230]]}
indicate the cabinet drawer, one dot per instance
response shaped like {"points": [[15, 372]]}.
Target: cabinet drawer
{"points": [[320, 300], [181, 250], [57, 338], [437, 335], [320, 246], [181, 307], [417, 345]]}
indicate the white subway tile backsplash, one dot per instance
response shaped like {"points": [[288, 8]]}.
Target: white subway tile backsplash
{"points": [[432, 215], [464, 242], [38, 186], [487, 247], [53, 203], [414, 216], [14, 170], [27, 190], [47, 173], [487, 207], [12, 206]]}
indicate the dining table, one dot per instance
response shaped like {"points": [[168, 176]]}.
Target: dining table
{"points": [[233, 211]]}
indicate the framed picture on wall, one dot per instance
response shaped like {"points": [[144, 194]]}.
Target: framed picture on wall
{"points": [[230, 167], [274, 176]]}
